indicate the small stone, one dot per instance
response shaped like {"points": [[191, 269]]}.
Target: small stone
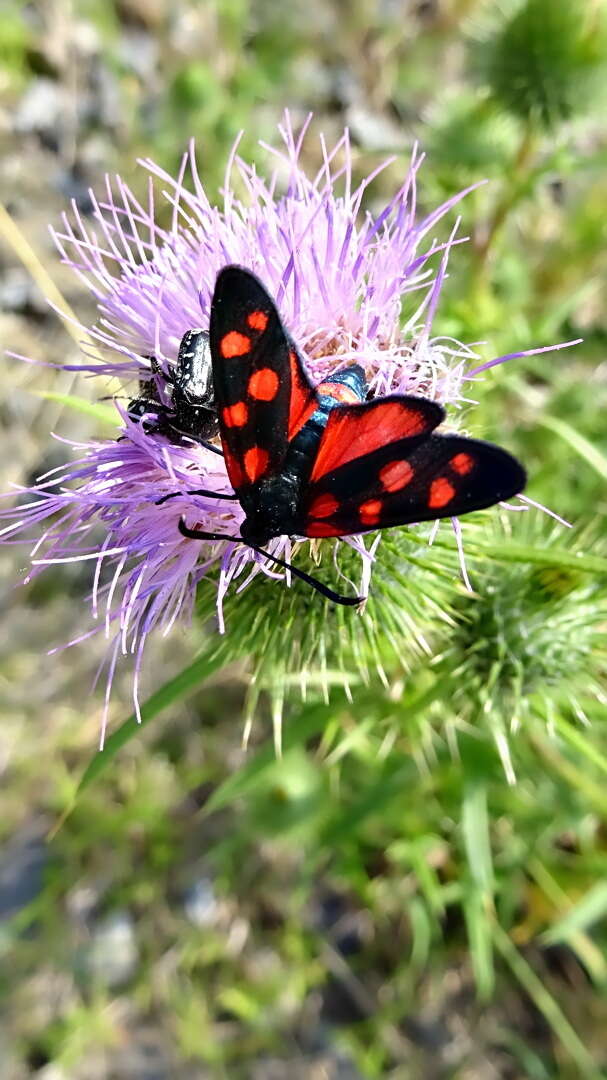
{"points": [[112, 955], [74, 186], [22, 869], [139, 52], [42, 109], [200, 903], [20, 295], [51, 1072], [375, 131]]}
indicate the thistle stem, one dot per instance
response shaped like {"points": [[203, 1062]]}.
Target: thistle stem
{"points": [[511, 195]]}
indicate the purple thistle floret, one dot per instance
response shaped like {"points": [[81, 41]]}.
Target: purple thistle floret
{"points": [[350, 287]]}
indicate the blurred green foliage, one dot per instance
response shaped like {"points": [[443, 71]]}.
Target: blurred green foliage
{"points": [[442, 779]]}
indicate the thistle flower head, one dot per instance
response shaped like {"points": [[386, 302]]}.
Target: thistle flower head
{"points": [[349, 286]]}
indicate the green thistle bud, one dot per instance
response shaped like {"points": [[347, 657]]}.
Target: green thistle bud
{"points": [[529, 643], [548, 60]]}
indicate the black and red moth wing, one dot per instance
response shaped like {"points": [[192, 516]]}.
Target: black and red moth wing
{"points": [[407, 481], [261, 389], [354, 431]]}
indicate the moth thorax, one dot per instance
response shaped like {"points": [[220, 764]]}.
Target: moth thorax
{"points": [[272, 511]]}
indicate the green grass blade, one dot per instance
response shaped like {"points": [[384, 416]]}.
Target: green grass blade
{"points": [[589, 910], [427, 877], [105, 414], [174, 690], [475, 832], [298, 730], [505, 551], [477, 900], [582, 446], [590, 953], [546, 1004], [421, 934], [574, 777], [477, 908], [579, 740], [390, 784]]}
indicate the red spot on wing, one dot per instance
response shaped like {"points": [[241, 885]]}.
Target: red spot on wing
{"points": [[237, 477], [323, 506], [234, 344], [303, 398], [462, 463], [255, 462], [257, 320], [322, 528], [441, 493], [369, 512], [339, 392], [395, 475], [235, 415], [361, 430], [263, 384]]}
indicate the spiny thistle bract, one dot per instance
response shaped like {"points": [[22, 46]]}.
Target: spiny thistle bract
{"points": [[349, 286], [546, 60], [529, 643]]}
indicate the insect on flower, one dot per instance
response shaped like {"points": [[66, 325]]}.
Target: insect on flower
{"points": [[338, 448], [323, 461], [191, 412]]}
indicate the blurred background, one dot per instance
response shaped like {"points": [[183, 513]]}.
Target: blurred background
{"points": [[384, 900]]}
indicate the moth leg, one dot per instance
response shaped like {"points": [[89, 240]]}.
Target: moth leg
{"points": [[196, 491]]}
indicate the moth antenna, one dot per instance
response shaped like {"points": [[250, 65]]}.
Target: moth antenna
{"points": [[324, 590]]}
